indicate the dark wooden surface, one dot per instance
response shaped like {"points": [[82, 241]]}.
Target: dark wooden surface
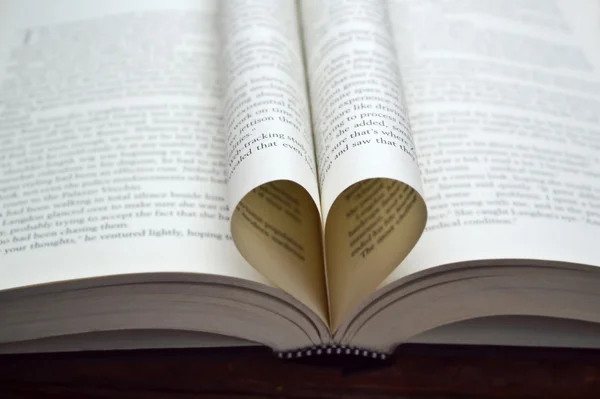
{"points": [[416, 371]]}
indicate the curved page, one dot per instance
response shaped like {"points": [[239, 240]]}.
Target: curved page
{"points": [[272, 181], [369, 179]]}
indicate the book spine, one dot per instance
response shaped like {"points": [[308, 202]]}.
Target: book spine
{"points": [[332, 350]]}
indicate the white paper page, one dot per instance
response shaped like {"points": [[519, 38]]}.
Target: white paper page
{"points": [[266, 112], [504, 101], [359, 119], [371, 196], [271, 172], [112, 156]]}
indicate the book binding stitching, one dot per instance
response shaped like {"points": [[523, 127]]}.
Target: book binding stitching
{"points": [[331, 350]]}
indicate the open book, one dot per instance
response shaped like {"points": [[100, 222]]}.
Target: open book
{"points": [[340, 174]]}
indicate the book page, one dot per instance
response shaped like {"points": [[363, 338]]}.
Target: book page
{"points": [[271, 170], [112, 156], [504, 100], [371, 199]]}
